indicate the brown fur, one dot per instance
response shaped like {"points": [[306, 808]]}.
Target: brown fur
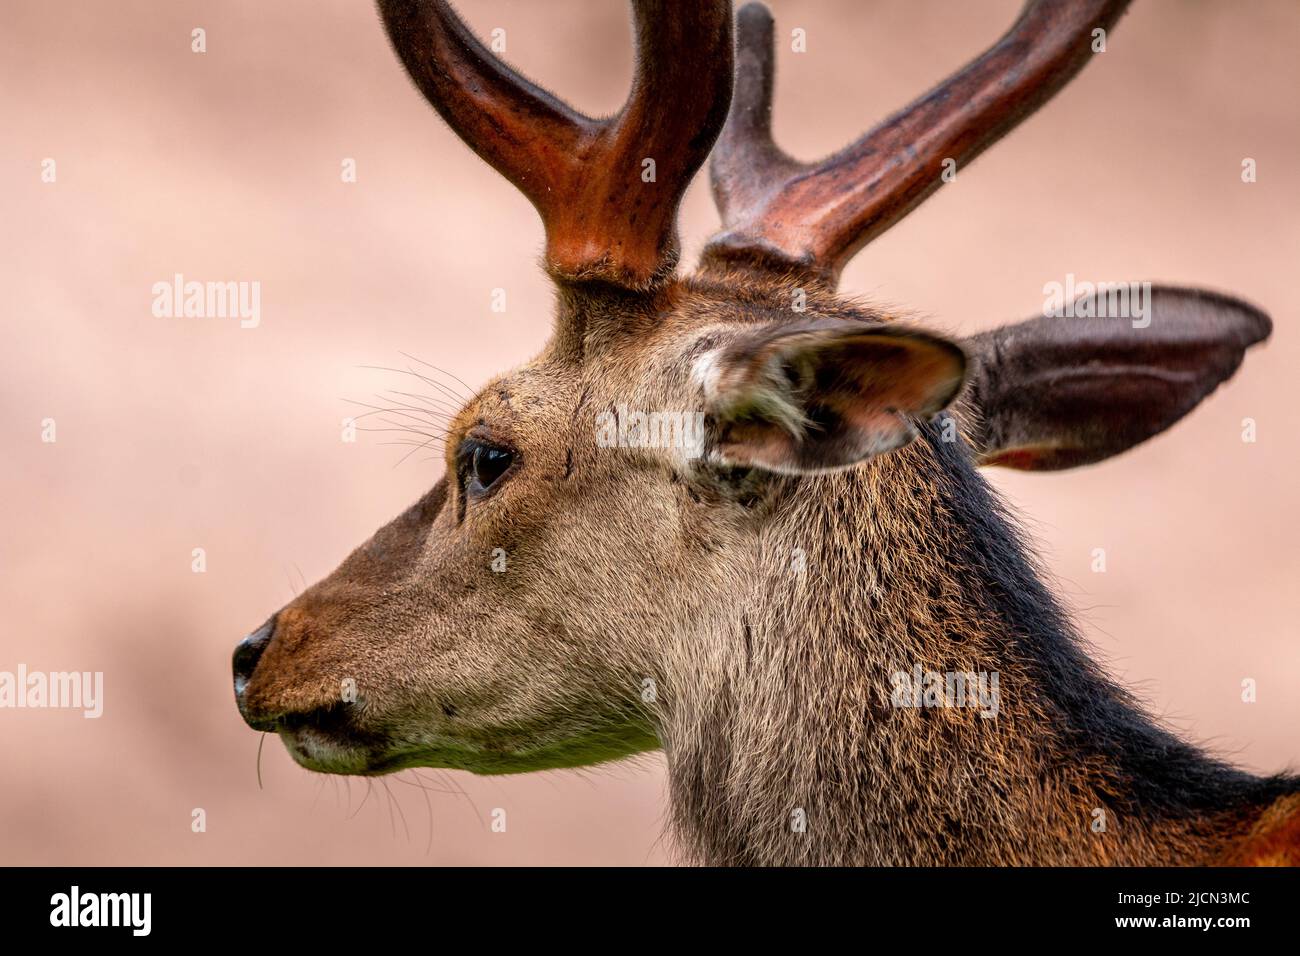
{"points": [[750, 620], [1274, 839], [771, 687]]}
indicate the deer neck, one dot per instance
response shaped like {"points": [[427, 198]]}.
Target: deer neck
{"points": [[797, 735]]}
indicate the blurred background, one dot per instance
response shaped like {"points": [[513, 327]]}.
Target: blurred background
{"points": [[183, 433]]}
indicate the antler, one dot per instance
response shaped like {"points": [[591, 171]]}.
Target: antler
{"points": [[812, 217], [609, 215]]}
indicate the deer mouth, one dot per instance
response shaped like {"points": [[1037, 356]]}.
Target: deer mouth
{"points": [[330, 740], [325, 754]]}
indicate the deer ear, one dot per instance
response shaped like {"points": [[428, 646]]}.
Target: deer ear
{"points": [[825, 394], [1054, 393]]}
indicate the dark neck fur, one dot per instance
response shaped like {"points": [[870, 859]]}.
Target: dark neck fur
{"points": [[911, 560]]}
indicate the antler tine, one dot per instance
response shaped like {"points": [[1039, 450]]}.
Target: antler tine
{"points": [[746, 163], [610, 215], [784, 215]]}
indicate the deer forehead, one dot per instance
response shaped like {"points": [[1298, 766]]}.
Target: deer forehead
{"points": [[552, 398]]}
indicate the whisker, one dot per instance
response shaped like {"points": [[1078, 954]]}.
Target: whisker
{"points": [[401, 441], [369, 788], [414, 450], [426, 403], [436, 384], [456, 788], [421, 429], [398, 804], [423, 398], [424, 786], [399, 408], [428, 803], [392, 825], [407, 431], [469, 390], [423, 378], [422, 420]]}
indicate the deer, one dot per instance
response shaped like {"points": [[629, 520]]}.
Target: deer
{"points": [[747, 604]]}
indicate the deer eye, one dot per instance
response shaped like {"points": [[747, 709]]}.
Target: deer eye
{"points": [[482, 465]]}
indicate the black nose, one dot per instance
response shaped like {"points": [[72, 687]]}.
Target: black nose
{"points": [[247, 653]]}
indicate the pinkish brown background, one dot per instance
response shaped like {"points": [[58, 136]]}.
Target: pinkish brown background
{"points": [[179, 433]]}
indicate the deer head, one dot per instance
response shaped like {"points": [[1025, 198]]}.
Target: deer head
{"points": [[604, 568]]}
